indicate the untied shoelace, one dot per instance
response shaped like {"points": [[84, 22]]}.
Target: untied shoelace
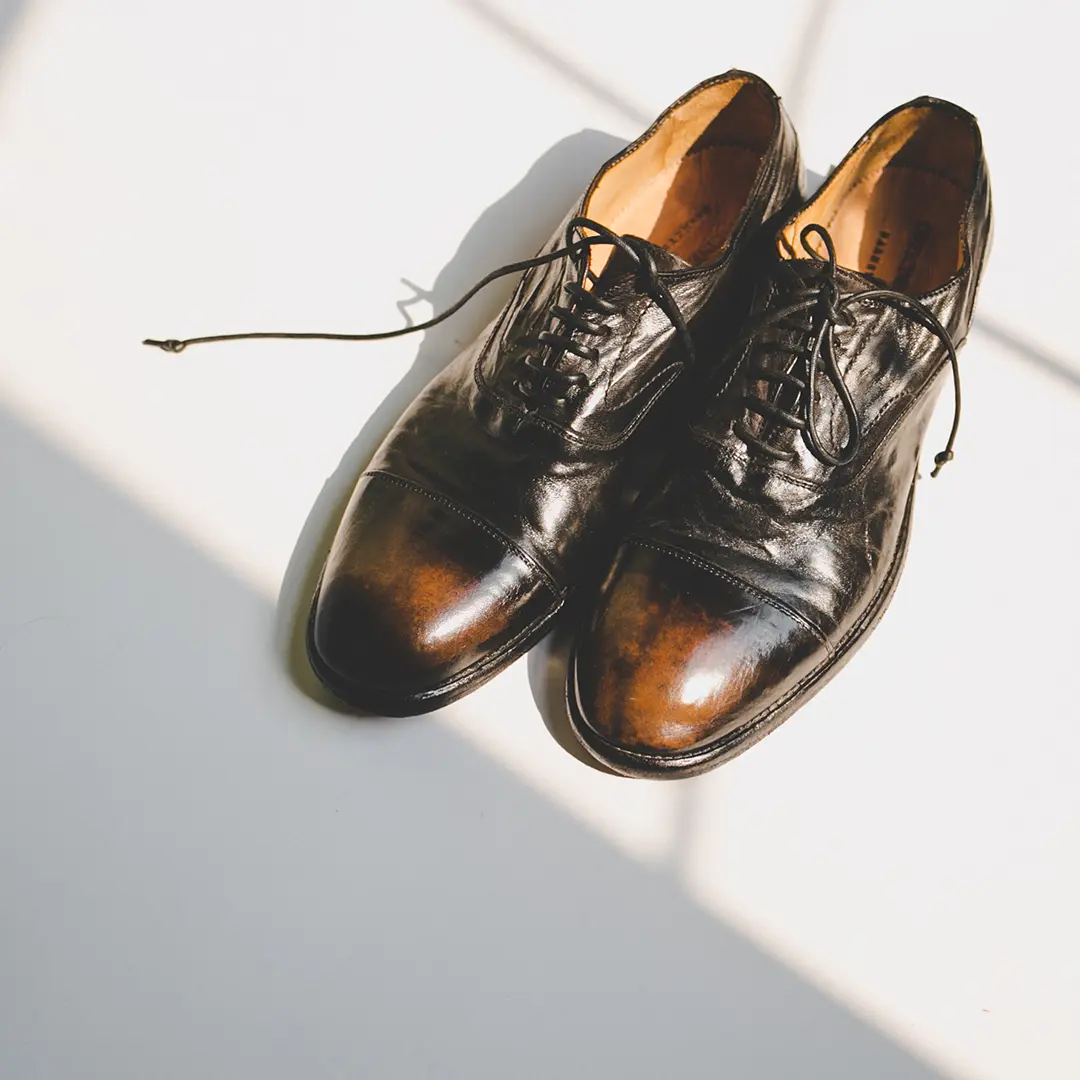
{"points": [[553, 343], [822, 300]]}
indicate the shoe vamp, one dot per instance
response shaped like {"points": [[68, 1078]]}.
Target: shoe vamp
{"points": [[824, 554], [553, 498], [624, 370]]}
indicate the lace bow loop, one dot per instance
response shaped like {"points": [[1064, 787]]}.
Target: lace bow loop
{"points": [[815, 353]]}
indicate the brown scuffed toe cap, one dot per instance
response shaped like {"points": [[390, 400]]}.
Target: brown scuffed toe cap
{"points": [[416, 596], [678, 654]]}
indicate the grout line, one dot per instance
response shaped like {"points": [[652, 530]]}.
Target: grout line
{"points": [[1064, 370], [571, 72]]}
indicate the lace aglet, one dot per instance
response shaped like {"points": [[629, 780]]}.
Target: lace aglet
{"points": [[169, 345], [940, 460]]}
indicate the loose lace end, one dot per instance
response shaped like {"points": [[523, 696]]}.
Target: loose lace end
{"points": [[170, 345], [940, 460], [569, 318], [819, 357]]}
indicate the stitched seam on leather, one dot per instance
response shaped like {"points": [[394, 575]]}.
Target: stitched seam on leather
{"points": [[907, 391], [744, 354], [697, 272], [478, 377], [492, 392], [580, 440], [673, 373], [790, 184], [771, 186], [630, 334], [730, 454], [653, 379], [856, 631], [475, 519], [567, 432], [712, 568], [734, 738]]}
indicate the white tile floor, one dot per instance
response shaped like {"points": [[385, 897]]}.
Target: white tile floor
{"points": [[205, 872]]}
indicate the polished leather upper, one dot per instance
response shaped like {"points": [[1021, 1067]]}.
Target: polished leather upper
{"points": [[748, 574], [487, 501]]}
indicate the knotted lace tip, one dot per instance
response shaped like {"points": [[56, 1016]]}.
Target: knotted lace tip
{"points": [[940, 460], [170, 345]]}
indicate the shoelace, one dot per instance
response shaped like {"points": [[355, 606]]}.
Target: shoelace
{"points": [[821, 300], [553, 343]]}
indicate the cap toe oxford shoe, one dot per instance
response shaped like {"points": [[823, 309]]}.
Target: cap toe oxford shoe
{"points": [[678, 654], [416, 594], [511, 474], [775, 542]]}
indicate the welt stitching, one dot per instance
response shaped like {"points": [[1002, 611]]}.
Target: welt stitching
{"points": [[712, 568], [476, 520]]}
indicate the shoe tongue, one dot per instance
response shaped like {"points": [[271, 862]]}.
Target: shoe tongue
{"points": [[620, 270]]}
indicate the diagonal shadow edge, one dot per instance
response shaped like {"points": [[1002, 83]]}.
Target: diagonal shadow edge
{"points": [[808, 49], [1019, 348], [569, 72], [515, 226], [261, 878]]}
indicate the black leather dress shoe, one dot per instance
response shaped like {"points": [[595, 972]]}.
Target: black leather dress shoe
{"points": [[510, 471], [775, 544]]}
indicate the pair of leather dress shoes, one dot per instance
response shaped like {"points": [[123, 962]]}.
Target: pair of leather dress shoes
{"points": [[704, 406]]}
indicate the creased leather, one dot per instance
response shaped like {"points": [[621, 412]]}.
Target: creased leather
{"points": [[553, 479], [811, 549]]}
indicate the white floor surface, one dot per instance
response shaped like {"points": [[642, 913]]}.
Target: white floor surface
{"points": [[205, 871]]}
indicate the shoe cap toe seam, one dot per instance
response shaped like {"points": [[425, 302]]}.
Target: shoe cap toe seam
{"points": [[712, 568], [476, 520]]}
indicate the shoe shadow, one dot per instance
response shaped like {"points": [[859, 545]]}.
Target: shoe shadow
{"points": [[512, 228], [548, 664]]}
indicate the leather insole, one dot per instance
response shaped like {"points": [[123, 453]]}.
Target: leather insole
{"points": [[895, 206], [699, 209], [902, 229], [685, 187]]}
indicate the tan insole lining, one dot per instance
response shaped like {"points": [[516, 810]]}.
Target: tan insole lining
{"points": [[691, 208], [902, 228]]}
